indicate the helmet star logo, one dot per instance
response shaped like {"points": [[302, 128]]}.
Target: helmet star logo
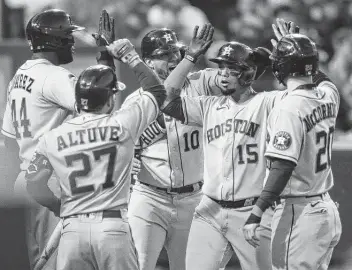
{"points": [[227, 51], [167, 37]]}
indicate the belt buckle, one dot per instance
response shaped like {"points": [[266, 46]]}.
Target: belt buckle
{"points": [[168, 191], [248, 202]]}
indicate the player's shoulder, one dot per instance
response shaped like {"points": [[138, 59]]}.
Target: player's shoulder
{"points": [[193, 76], [328, 87], [133, 97], [58, 74]]}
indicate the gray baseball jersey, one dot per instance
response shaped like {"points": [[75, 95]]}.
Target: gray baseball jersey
{"points": [[234, 139], [176, 160], [92, 155], [301, 130], [40, 97]]}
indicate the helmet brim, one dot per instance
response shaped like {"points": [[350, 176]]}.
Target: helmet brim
{"points": [[168, 48], [74, 28], [219, 60]]}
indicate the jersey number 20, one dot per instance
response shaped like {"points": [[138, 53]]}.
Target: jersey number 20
{"points": [[327, 139], [111, 151], [23, 120]]}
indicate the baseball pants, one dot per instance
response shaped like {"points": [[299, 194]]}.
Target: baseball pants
{"points": [[91, 241], [216, 231], [305, 232], [158, 220], [40, 223]]}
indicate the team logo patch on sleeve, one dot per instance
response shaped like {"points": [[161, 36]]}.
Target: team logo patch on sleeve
{"points": [[282, 140]]}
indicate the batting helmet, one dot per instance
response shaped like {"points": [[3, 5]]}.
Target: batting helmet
{"points": [[241, 57], [51, 31], [160, 41], [94, 87], [294, 55]]}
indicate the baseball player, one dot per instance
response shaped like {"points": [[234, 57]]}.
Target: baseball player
{"points": [[92, 155], [40, 97], [169, 186], [306, 224], [234, 134]]}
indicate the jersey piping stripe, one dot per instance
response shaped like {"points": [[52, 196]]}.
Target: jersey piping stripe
{"points": [[168, 156], [271, 154], [78, 124], [179, 150], [233, 162], [151, 96], [8, 134], [39, 63], [289, 237], [185, 112]]}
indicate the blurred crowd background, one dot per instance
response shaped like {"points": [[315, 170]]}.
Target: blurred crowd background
{"points": [[328, 23]]}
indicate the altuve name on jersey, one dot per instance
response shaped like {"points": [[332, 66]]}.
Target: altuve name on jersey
{"points": [[320, 113], [22, 81], [90, 135], [237, 125]]}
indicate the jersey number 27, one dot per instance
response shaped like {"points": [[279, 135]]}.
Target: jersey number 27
{"points": [[87, 167]]}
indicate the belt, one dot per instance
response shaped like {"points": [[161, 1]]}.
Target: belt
{"points": [[305, 199], [185, 189], [236, 204], [105, 214]]}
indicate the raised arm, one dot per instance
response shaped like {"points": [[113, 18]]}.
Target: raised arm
{"points": [[123, 50], [104, 37], [175, 81]]}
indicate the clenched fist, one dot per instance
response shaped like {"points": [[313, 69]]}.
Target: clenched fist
{"points": [[123, 50]]}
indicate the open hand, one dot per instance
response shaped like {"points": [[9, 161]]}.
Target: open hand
{"points": [[201, 42], [106, 31], [283, 28]]}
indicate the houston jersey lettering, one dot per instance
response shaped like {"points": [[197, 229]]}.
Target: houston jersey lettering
{"points": [[176, 160], [301, 129], [233, 141]]}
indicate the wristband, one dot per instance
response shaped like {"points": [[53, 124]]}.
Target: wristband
{"points": [[103, 57], [253, 219], [191, 58]]}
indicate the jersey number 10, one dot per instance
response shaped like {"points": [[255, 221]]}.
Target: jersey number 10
{"points": [[23, 120]]}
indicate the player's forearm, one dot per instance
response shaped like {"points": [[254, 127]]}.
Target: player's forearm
{"points": [[173, 107], [37, 187], [104, 58], [149, 81], [178, 76], [280, 172], [12, 161]]}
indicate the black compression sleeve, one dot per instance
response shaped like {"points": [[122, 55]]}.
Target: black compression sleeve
{"points": [[150, 82], [280, 172], [320, 77], [174, 109]]}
